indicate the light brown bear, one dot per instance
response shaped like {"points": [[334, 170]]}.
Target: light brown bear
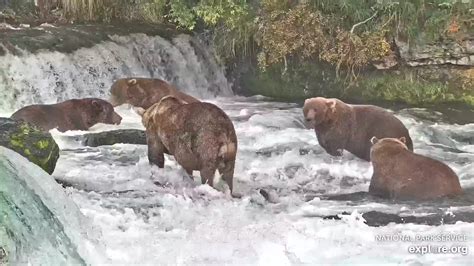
{"points": [[75, 114], [401, 174], [340, 126], [199, 135], [144, 92]]}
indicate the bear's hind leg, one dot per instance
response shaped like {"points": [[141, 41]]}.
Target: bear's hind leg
{"points": [[207, 174], [227, 172], [155, 150]]}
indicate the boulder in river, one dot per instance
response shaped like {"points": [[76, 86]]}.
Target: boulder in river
{"points": [[39, 222], [36, 145], [127, 136]]}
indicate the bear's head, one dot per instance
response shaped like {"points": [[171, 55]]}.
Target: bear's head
{"points": [[102, 112], [319, 110], [387, 145], [157, 109], [127, 91]]}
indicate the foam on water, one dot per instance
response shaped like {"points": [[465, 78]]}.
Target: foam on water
{"points": [[153, 216], [159, 216]]}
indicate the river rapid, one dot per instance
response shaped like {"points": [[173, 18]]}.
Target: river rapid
{"points": [[152, 216]]}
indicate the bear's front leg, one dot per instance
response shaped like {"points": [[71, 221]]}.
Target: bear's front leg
{"points": [[155, 150], [331, 146]]}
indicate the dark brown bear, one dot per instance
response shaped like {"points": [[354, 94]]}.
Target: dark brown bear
{"points": [[401, 174], [76, 114], [340, 126], [144, 92], [199, 135]]}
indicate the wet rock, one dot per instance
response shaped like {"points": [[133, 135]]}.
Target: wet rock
{"points": [[126, 136], [465, 137], [439, 53], [269, 195], [281, 149], [376, 218], [348, 181], [36, 145]]}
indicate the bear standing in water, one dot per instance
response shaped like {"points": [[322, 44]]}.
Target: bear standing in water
{"points": [[199, 135], [340, 126], [144, 92], [76, 114], [402, 174]]}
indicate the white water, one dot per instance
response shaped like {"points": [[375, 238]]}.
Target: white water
{"points": [[152, 216], [156, 216], [49, 77]]}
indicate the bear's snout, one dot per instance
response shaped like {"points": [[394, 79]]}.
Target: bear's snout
{"points": [[116, 119]]}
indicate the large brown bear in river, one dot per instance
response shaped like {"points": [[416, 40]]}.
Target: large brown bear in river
{"points": [[76, 114], [401, 174], [340, 126], [144, 92], [199, 135]]}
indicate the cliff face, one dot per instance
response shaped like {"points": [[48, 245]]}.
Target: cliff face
{"points": [[416, 74], [458, 53]]}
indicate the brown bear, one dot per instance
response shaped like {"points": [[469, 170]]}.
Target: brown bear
{"points": [[144, 92], [340, 126], [199, 135], [75, 114], [401, 174]]}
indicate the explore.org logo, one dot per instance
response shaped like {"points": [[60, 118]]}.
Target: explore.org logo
{"points": [[453, 243]]}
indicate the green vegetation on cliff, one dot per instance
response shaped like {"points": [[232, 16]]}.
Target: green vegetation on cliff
{"points": [[278, 37]]}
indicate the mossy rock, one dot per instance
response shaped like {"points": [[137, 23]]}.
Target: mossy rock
{"points": [[414, 86], [37, 146]]}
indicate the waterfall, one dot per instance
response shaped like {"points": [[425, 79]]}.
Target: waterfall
{"points": [[50, 77]]}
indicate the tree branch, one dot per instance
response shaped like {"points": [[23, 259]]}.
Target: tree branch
{"points": [[363, 22]]}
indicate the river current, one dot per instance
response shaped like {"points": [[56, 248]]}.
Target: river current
{"points": [[152, 216]]}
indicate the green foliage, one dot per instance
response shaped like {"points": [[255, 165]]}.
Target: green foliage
{"points": [[154, 10], [283, 36], [182, 13], [399, 89], [232, 23], [299, 81]]}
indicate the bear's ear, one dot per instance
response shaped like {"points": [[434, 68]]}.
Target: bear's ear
{"points": [[96, 105], [132, 82], [331, 103], [374, 140], [403, 139]]}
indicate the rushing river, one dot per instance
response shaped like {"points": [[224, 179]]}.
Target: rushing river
{"points": [[152, 216]]}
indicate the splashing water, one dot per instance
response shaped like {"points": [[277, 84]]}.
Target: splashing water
{"points": [[158, 216], [151, 216]]}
